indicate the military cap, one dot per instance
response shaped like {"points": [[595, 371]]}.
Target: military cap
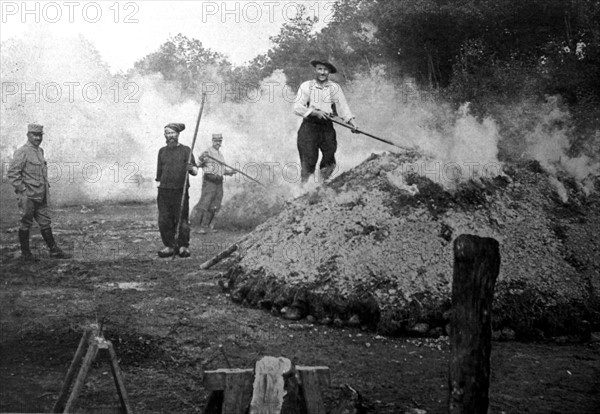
{"points": [[35, 128], [316, 62], [217, 137]]}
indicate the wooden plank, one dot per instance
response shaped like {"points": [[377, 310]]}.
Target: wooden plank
{"points": [[118, 377], [311, 388], [59, 405], [268, 388], [476, 268], [237, 393], [215, 380], [83, 372], [323, 374]]}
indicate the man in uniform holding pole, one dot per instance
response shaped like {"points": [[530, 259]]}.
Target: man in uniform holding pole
{"points": [[28, 174], [316, 101], [212, 161], [171, 173]]}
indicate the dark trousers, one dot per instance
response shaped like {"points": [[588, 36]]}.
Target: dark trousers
{"points": [[312, 137], [169, 203]]}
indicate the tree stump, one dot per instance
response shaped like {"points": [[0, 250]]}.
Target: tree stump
{"points": [[269, 388], [476, 268]]}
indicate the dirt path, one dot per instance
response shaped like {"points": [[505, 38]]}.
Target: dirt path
{"points": [[167, 321]]}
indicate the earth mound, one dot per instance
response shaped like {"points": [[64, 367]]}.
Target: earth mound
{"points": [[374, 248]]}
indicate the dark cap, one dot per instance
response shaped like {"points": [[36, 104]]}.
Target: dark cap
{"points": [[175, 127]]}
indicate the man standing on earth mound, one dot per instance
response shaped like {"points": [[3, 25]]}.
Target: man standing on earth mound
{"points": [[316, 101]]}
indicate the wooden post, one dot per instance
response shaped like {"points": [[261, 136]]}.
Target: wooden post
{"points": [[476, 267], [269, 384]]}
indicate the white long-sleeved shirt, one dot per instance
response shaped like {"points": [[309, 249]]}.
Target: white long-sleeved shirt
{"points": [[313, 95]]}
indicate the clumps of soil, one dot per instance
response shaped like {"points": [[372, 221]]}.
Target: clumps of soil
{"points": [[373, 248]]}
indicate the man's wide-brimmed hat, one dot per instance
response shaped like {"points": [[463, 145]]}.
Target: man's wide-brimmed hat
{"points": [[217, 137], [35, 128], [316, 62], [175, 127]]}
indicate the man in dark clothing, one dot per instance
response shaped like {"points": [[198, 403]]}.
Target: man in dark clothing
{"points": [[316, 100], [170, 173], [28, 174]]}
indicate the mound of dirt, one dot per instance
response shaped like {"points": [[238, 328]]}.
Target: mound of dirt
{"points": [[374, 248]]}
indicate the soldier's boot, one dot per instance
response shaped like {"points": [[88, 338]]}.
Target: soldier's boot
{"points": [[25, 251], [55, 251]]}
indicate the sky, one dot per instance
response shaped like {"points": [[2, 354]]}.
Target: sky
{"points": [[126, 31]]}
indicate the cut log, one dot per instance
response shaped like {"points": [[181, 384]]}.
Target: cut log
{"points": [[476, 267], [269, 390], [216, 259]]}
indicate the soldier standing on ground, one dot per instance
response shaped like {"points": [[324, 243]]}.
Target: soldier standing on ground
{"points": [[171, 173], [212, 184], [316, 100], [28, 174]]}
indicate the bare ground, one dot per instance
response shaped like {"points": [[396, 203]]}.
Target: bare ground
{"points": [[167, 319]]}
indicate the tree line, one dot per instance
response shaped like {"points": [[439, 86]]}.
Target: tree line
{"points": [[485, 52]]}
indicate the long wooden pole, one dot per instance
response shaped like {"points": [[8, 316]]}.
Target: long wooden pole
{"points": [[476, 267], [187, 176], [358, 131], [234, 169]]}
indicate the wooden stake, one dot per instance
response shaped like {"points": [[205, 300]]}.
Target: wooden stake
{"points": [[216, 259], [187, 177], [476, 267]]}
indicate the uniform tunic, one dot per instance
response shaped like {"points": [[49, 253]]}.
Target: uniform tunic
{"points": [[28, 174], [212, 182]]}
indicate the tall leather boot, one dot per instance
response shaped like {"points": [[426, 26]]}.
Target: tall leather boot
{"points": [[55, 251], [24, 241]]}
